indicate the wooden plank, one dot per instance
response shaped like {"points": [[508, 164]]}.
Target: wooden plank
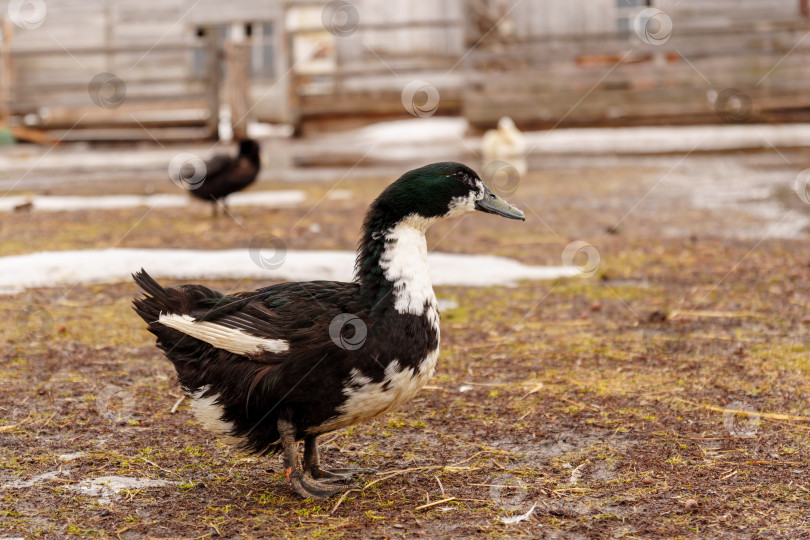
{"points": [[621, 107], [6, 69], [213, 73], [132, 134], [237, 60], [23, 133], [80, 50], [396, 26]]}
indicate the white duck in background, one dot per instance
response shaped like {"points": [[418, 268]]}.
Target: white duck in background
{"points": [[505, 143]]}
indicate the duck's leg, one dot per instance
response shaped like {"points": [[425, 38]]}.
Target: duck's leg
{"points": [[312, 464], [301, 480]]}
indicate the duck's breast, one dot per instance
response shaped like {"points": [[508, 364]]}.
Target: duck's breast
{"points": [[366, 399]]}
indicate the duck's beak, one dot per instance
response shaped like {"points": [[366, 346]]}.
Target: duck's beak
{"points": [[492, 204]]}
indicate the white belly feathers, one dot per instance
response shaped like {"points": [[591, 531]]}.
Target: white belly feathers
{"points": [[367, 400]]}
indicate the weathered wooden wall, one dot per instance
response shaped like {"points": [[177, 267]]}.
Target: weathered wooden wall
{"points": [[360, 75], [545, 63], [169, 75], [725, 61], [142, 47]]}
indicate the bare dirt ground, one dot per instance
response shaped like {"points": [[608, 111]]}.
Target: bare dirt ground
{"points": [[594, 407]]}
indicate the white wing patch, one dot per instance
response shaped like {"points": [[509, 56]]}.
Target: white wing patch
{"points": [[228, 339]]}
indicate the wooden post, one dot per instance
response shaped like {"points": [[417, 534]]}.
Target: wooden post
{"points": [[283, 77], [293, 83], [212, 49], [6, 70], [237, 84], [109, 37]]}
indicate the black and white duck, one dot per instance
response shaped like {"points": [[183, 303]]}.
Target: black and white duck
{"points": [[268, 368], [226, 174]]}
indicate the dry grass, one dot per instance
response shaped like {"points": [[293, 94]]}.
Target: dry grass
{"points": [[601, 402]]}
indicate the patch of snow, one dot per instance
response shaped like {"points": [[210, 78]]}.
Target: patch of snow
{"points": [[447, 304], [416, 130], [11, 290], [261, 130], [729, 185], [270, 199], [518, 519], [661, 139], [71, 456], [23, 158], [464, 388], [52, 203], [54, 268], [107, 487], [19, 484], [397, 140], [416, 140]]}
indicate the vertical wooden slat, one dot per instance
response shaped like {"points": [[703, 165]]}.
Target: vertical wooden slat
{"points": [[237, 60], [293, 100], [7, 70], [212, 51]]}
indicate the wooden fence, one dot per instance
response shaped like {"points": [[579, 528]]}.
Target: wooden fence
{"points": [[559, 62], [367, 80], [116, 103], [739, 64]]}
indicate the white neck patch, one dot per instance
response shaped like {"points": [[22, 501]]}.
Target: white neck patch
{"points": [[465, 204], [404, 263]]}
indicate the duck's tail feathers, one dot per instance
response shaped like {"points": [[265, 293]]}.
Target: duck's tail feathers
{"points": [[159, 300], [155, 301], [185, 352]]}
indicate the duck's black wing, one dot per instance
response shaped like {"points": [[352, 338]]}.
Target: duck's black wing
{"points": [[285, 349], [214, 168], [226, 175]]}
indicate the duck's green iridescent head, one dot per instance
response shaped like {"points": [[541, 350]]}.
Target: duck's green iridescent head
{"points": [[433, 192]]}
